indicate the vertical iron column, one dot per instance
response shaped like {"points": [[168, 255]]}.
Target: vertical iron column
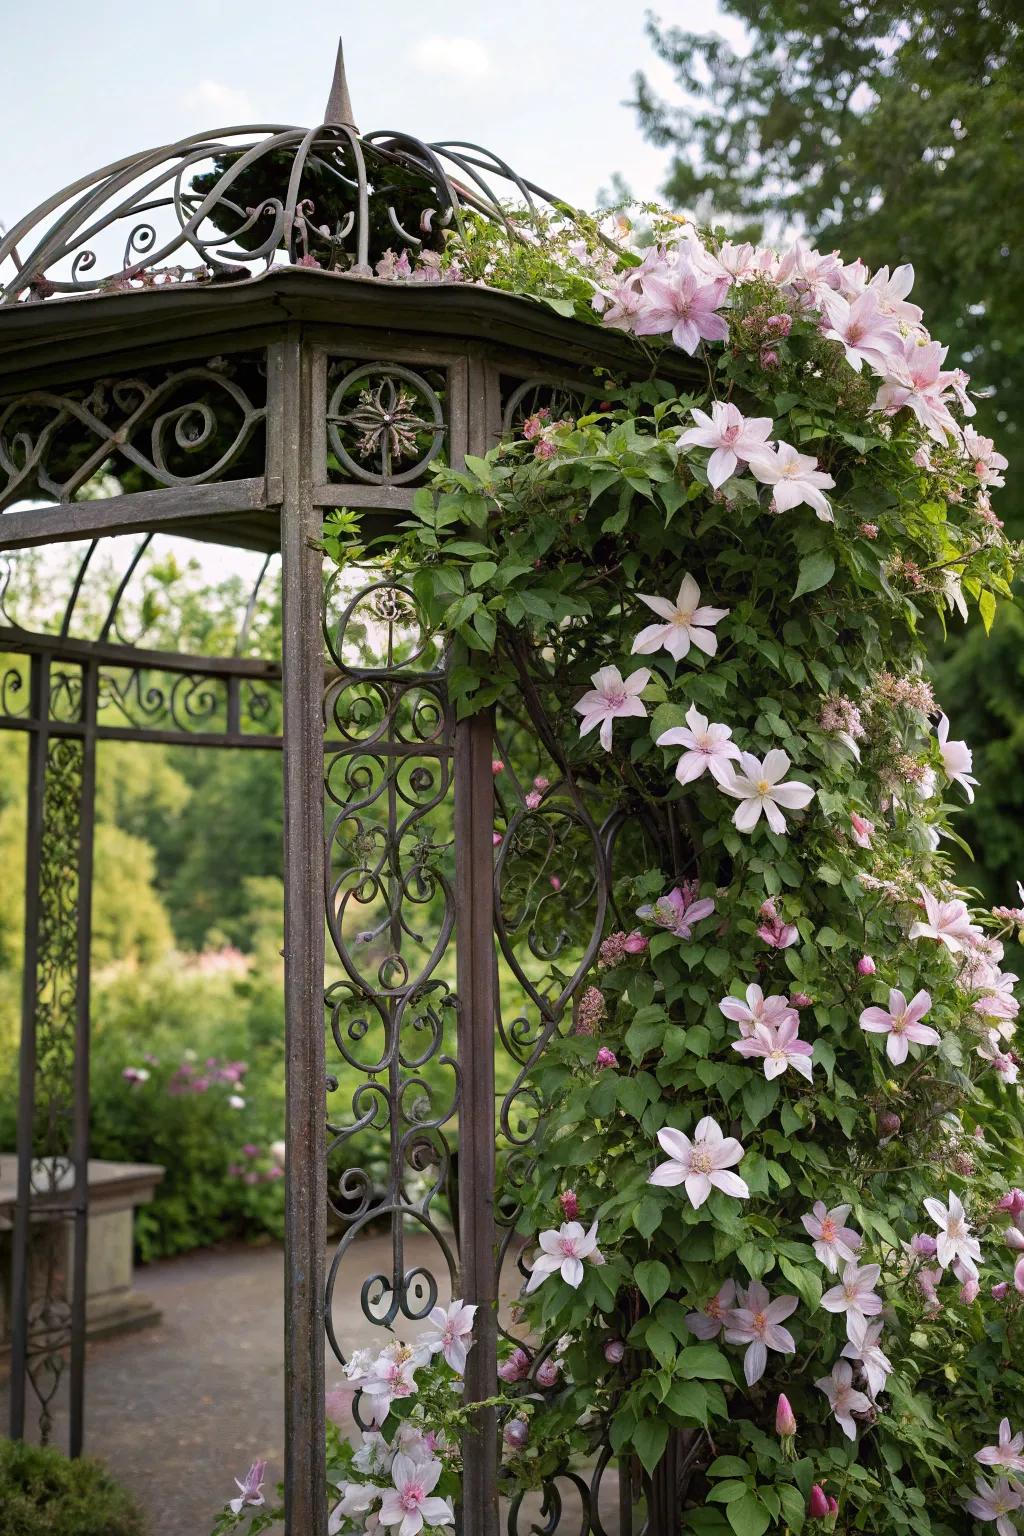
{"points": [[288, 458], [475, 984]]}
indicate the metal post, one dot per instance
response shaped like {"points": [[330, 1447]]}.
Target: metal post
{"points": [[474, 897], [289, 409]]}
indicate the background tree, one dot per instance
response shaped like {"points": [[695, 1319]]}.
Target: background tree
{"points": [[894, 130]]}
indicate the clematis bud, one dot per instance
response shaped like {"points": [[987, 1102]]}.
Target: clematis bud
{"points": [[614, 1351], [923, 1245], [1012, 1201], [785, 1419], [1015, 1239], [817, 1504], [833, 1505], [570, 1204], [800, 1000], [1018, 1276], [497, 766], [999, 1290], [889, 1124], [969, 1292], [540, 782], [516, 1367], [555, 882], [865, 966], [547, 1373], [496, 839], [517, 1432]]}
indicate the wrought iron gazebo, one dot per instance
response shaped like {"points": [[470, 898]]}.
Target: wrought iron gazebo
{"points": [[194, 341]]}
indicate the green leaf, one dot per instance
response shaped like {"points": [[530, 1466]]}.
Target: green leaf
{"points": [[705, 1362], [794, 1506], [816, 569], [653, 1278], [649, 1442], [987, 609], [728, 1466], [748, 1516], [647, 1214], [804, 1280]]}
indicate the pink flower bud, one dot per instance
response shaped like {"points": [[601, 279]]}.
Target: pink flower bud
{"points": [[865, 966], [570, 1204], [1015, 1239], [1012, 1201], [999, 1291], [516, 1367], [635, 943], [497, 766], [517, 1432], [817, 1504], [555, 883], [614, 1351], [1018, 1276], [969, 1292], [833, 1505], [547, 1373], [785, 1419], [532, 800], [800, 1000], [496, 839], [767, 911], [540, 782], [606, 1058]]}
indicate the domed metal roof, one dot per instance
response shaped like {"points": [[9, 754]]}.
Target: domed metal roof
{"points": [[219, 205]]}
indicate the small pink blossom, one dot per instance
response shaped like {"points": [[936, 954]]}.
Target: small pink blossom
{"points": [[995, 1501], [250, 1491], [1000, 1290], [709, 1322], [612, 698], [866, 333], [734, 438], [955, 1244], [863, 830], [855, 1295], [775, 932], [757, 1009], [843, 1400], [779, 1048], [957, 759], [1012, 1202], [796, 479], [833, 1241], [701, 1164], [410, 1504], [1009, 1452], [901, 1023], [756, 1322], [683, 623], [684, 306], [947, 922], [707, 747], [863, 1346], [563, 1251], [679, 911], [454, 1336]]}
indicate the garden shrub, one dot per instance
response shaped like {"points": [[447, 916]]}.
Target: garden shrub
{"points": [[42, 1493]]}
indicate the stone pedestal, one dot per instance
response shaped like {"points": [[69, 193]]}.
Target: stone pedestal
{"points": [[115, 1189]]}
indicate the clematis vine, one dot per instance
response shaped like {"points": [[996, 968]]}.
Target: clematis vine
{"points": [[1008, 1452], [683, 305], [683, 623], [250, 1489], [995, 1501], [410, 1504], [947, 922], [454, 1337], [702, 1164]]}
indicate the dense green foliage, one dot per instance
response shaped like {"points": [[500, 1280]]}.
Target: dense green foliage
{"points": [[42, 1493], [894, 130]]}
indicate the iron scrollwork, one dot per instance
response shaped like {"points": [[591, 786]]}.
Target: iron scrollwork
{"points": [[386, 423], [390, 916]]}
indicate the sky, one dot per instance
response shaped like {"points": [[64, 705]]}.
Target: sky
{"points": [[541, 82]]}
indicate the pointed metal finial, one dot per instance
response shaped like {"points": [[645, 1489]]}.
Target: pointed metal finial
{"points": [[339, 103]]}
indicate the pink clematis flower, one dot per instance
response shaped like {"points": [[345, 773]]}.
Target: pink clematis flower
{"points": [[865, 332], [679, 911], [863, 1346], [986, 463], [955, 1244], [611, 699], [1008, 1452], [388, 1378], [760, 789], [917, 380], [516, 1367], [251, 1490], [701, 1164], [756, 1322], [734, 438], [843, 1400], [796, 478], [683, 305], [855, 1295], [708, 1323], [891, 293], [683, 623], [1002, 1062], [776, 933], [948, 922], [707, 747], [454, 1337], [779, 1048], [901, 1022], [995, 1501], [832, 1240], [410, 1504], [564, 1251], [757, 1009], [957, 759]]}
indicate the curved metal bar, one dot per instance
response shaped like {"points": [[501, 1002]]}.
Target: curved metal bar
{"points": [[113, 613]]}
